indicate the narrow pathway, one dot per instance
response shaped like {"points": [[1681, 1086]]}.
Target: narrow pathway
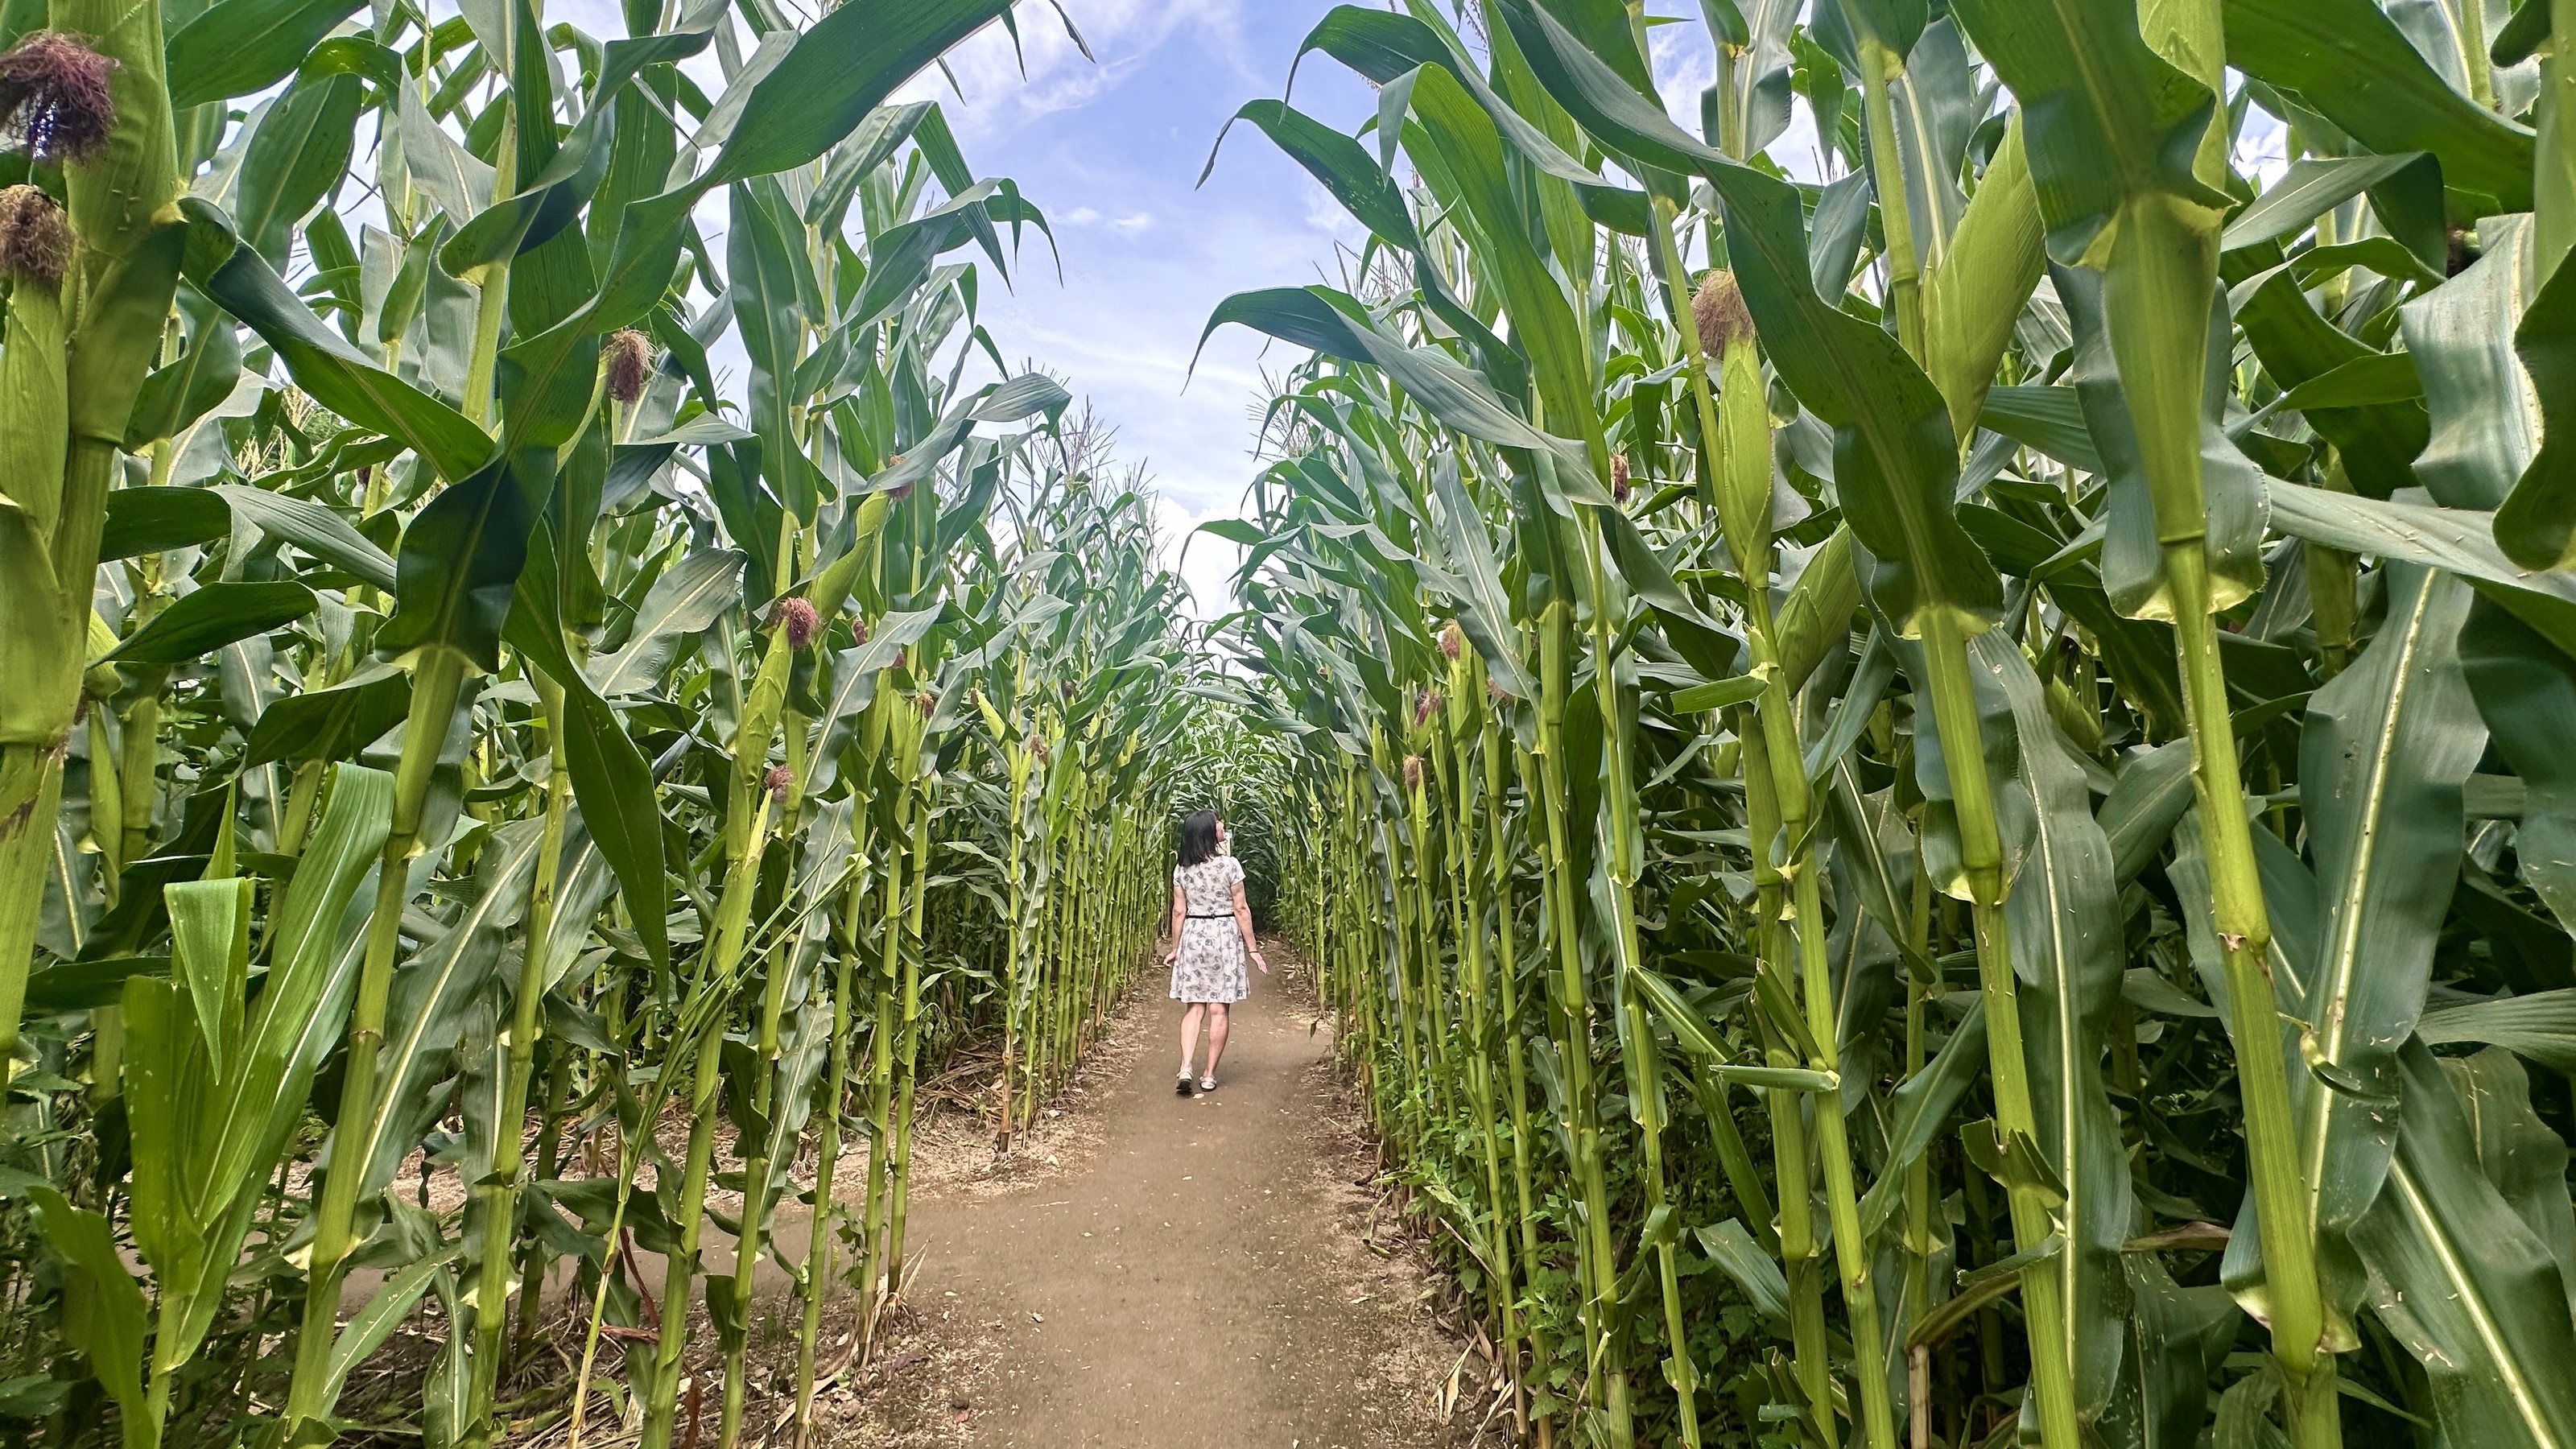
{"points": [[1195, 1281]]}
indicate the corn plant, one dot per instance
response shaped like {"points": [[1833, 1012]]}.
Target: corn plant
{"points": [[452, 739], [1920, 779]]}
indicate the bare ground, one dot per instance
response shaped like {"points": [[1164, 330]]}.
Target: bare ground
{"points": [[1210, 1271]]}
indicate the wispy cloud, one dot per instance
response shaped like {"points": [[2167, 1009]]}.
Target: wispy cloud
{"points": [[996, 84], [1128, 225], [1326, 215]]}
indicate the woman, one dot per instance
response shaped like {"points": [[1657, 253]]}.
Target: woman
{"points": [[1211, 935]]}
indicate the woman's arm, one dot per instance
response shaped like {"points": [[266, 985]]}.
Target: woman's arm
{"points": [[1243, 922], [1180, 911]]}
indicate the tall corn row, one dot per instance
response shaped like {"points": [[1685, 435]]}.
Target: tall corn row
{"points": [[1924, 793], [451, 741]]}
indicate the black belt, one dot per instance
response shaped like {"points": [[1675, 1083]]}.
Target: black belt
{"points": [[1219, 916]]}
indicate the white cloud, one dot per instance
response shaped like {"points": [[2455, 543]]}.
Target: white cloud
{"points": [[1685, 64], [1205, 562], [1329, 216], [2262, 148], [1000, 87], [1148, 251]]}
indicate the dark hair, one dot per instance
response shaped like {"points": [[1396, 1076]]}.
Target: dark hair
{"points": [[1198, 837]]}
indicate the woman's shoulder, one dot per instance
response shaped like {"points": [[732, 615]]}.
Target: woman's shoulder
{"points": [[1233, 867]]}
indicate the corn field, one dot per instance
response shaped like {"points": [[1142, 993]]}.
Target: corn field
{"points": [[1909, 720], [447, 737], [1927, 787]]}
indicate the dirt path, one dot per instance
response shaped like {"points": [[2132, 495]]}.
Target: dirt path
{"points": [[1198, 1279]]}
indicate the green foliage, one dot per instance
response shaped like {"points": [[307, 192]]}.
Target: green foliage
{"points": [[495, 740], [1226, 760], [1986, 778]]}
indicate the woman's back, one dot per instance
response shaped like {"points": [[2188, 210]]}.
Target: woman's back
{"points": [[1209, 885]]}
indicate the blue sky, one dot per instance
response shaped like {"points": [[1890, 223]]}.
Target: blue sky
{"points": [[1111, 151]]}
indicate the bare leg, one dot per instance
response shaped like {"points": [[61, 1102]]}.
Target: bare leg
{"points": [[1216, 1034], [1190, 1038]]}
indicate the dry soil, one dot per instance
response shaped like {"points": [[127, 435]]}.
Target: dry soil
{"points": [[1208, 1273]]}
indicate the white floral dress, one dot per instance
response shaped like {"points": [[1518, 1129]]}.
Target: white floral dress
{"points": [[1210, 964]]}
